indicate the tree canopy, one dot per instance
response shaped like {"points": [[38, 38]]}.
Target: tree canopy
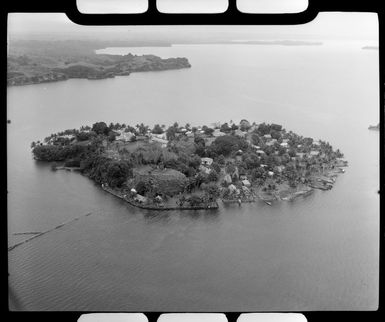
{"points": [[100, 128]]}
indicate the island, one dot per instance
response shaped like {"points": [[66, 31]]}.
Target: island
{"points": [[194, 167], [44, 61], [374, 127], [276, 42], [370, 47]]}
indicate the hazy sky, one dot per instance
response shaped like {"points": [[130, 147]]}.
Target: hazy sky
{"points": [[326, 26]]}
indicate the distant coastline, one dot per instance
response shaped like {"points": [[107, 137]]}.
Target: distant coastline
{"points": [[374, 127], [43, 61], [370, 47], [277, 42], [35, 62], [89, 69]]}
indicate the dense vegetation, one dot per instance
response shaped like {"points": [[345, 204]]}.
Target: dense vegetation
{"points": [[195, 164], [48, 61]]}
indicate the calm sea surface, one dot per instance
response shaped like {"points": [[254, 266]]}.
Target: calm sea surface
{"points": [[312, 254]]}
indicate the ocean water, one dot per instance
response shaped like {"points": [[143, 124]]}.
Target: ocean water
{"points": [[317, 253]]}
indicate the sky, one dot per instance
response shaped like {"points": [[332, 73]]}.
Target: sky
{"points": [[326, 26]]}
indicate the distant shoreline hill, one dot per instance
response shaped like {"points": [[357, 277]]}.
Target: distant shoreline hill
{"points": [[279, 42], [374, 127], [34, 62], [41, 61], [370, 47]]}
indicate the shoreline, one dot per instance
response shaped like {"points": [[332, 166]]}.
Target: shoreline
{"points": [[323, 182], [44, 79], [213, 206]]}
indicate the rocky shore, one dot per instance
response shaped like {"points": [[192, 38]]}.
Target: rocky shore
{"points": [[127, 198]]}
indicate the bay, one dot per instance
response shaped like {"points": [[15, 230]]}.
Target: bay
{"points": [[312, 254]]}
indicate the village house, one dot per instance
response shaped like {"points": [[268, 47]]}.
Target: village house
{"points": [[204, 169], [159, 199], [252, 128], [227, 179], [124, 136], [316, 143], [59, 138], [302, 164], [246, 183], [141, 137], [280, 168], [232, 188], [314, 153], [240, 133], [267, 136], [243, 177], [162, 142], [218, 133], [160, 136], [235, 174], [67, 136], [206, 161], [139, 198]]}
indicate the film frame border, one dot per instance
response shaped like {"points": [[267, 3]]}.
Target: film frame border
{"points": [[232, 16]]}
